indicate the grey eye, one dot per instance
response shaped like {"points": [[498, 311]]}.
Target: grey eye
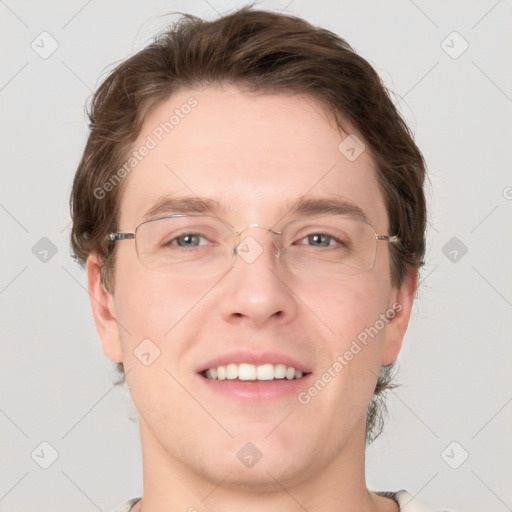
{"points": [[188, 240], [319, 240]]}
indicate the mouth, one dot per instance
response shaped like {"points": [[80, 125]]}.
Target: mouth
{"points": [[247, 372], [254, 378]]}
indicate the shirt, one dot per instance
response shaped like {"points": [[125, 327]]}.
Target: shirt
{"points": [[406, 501]]}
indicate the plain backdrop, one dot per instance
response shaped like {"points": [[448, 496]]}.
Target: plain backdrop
{"points": [[448, 435]]}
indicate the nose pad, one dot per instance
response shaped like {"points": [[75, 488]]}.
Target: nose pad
{"points": [[249, 249]]}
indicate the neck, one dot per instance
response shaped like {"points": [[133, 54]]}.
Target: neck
{"points": [[170, 485]]}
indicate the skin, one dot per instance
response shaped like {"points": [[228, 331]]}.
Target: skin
{"points": [[256, 153]]}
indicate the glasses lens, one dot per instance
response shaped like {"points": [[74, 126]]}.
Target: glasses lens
{"points": [[189, 246], [329, 246], [196, 246]]}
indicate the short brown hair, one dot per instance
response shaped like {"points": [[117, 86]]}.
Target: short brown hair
{"points": [[257, 51]]}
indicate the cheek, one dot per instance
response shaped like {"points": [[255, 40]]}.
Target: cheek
{"points": [[352, 316], [150, 305], [343, 388], [158, 320], [346, 308]]}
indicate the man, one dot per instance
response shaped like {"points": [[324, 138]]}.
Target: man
{"points": [[250, 210]]}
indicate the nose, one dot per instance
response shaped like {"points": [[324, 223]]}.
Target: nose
{"points": [[257, 289]]}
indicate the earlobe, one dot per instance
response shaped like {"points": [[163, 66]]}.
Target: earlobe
{"points": [[103, 309], [399, 313]]}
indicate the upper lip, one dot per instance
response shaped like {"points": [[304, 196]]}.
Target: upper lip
{"points": [[255, 358]]}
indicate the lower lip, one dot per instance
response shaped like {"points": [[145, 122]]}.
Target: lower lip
{"points": [[257, 391]]}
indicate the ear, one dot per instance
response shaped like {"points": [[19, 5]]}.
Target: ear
{"points": [[103, 310], [399, 313]]}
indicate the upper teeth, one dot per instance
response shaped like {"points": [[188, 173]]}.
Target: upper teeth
{"points": [[246, 371]]}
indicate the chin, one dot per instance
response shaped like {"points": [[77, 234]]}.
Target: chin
{"points": [[263, 464], [265, 476]]}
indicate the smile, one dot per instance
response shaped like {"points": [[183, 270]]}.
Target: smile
{"points": [[251, 372]]}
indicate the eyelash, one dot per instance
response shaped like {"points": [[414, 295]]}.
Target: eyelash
{"points": [[174, 241], [331, 237]]}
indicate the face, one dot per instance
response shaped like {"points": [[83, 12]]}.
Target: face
{"points": [[256, 156]]}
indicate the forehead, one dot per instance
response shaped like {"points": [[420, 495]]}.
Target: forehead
{"points": [[254, 154]]}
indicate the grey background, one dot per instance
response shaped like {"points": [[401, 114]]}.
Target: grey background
{"points": [[57, 387]]}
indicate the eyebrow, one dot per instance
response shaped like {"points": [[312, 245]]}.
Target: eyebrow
{"points": [[189, 204], [303, 206], [308, 206]]}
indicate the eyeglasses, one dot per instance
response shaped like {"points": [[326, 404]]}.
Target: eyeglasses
{"points": [[199, 246]]}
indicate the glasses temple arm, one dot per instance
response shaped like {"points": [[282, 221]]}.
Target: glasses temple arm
{"points": [[114, 237], [390, 238]]}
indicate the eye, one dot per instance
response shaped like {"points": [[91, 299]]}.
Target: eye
{"points": [[188, 240], [320, 240]]}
